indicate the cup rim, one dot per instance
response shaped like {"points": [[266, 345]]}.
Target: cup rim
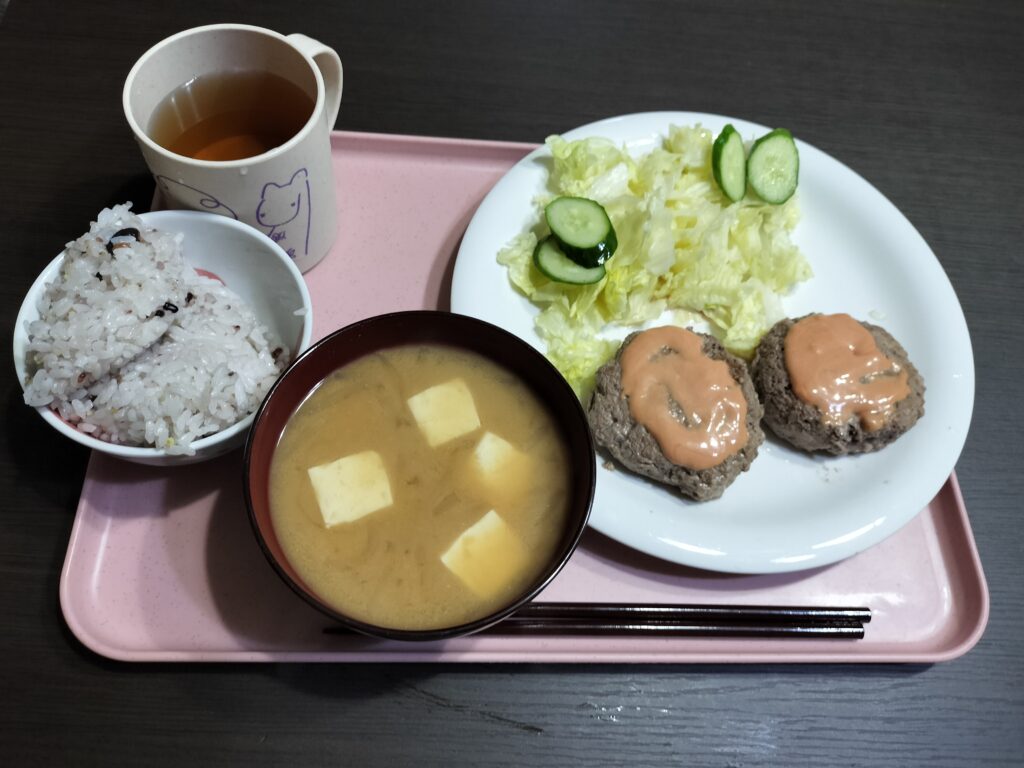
{"points": [[143, 137]]}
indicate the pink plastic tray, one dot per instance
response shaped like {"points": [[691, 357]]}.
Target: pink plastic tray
{"points": [[162, 564]]}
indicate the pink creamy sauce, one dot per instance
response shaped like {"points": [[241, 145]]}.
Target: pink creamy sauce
{"points": [[690, 403]]}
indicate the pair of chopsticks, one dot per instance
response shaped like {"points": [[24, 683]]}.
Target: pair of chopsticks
{"points": [[694, 620]]}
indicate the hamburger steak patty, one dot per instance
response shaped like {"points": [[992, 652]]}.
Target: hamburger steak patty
{"points": [[800, 423], [635, 448]]}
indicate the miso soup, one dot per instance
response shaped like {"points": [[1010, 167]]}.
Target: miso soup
{"points": [[420, 487]]}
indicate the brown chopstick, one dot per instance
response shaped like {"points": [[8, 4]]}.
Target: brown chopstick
{"points": [[731, 614], [699, 620], [848, 631]]}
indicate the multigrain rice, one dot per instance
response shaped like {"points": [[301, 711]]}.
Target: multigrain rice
{"points": [[132, 346]]}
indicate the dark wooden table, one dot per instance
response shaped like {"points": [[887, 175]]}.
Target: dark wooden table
{"points": [[925, 98]]}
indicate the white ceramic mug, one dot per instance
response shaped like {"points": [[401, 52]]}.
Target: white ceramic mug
{"points": [[287, 192]]}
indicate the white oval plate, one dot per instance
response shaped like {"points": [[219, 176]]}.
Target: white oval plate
{"points": [[790, 511]]}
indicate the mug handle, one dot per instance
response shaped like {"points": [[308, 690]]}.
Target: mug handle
{"points": [[329, 64]]}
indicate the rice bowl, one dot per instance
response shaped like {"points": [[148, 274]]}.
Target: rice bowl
{"points": [[169, 368]]}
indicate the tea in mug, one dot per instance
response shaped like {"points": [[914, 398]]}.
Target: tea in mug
{"points": [[230, 115]]}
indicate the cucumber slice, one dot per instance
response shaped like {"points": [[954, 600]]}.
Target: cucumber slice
{"points": [[729, 164], [774, 166], [549, 259], [583, 230]]}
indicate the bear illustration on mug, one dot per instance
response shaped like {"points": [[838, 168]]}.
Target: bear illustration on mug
{"points": [[284, 210]]}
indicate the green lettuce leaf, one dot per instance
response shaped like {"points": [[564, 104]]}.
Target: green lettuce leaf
{"points": [[682, 245]]}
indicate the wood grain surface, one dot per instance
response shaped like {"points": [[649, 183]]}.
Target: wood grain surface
{"points": [[925, 98]]}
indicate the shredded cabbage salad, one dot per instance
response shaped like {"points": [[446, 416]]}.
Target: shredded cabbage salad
{"points": [[682, 246]]}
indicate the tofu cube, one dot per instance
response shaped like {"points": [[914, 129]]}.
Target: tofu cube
{"points": [[444, 412], [351, 487], [486, 556], [498, 462]]}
